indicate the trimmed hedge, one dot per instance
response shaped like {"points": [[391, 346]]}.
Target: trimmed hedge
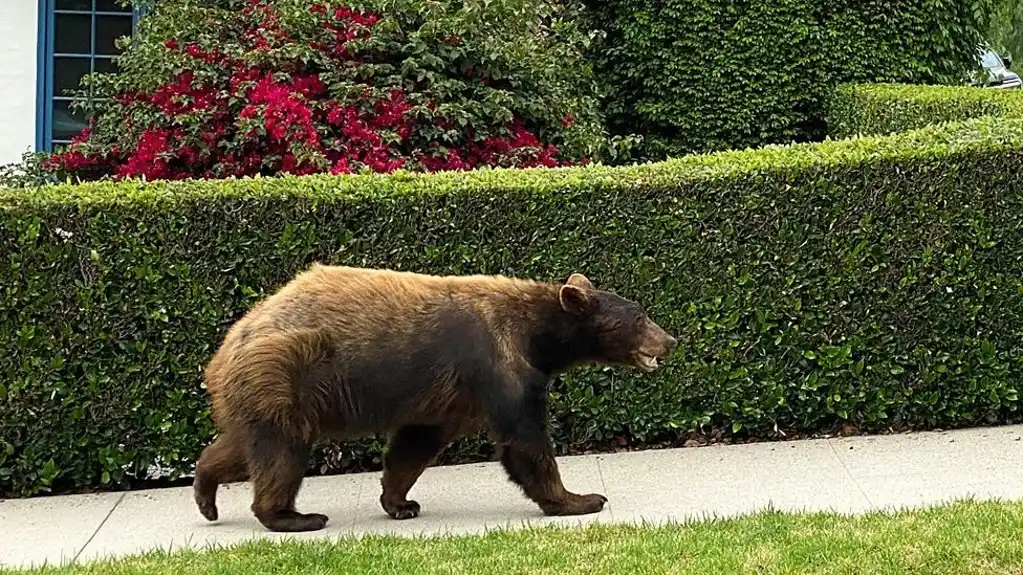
{"points": [[871, 280], [879, 109], [705, 75]]}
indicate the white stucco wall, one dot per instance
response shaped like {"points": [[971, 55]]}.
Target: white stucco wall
{"points": [[18, 49]]}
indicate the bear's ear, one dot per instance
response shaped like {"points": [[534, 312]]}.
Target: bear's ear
{"points": [[575, 300], [579, 281]]}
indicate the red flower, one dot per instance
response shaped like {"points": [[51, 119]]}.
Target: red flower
{"points": [[241, 112], [146, 161], [341, 167], [309, 86]]}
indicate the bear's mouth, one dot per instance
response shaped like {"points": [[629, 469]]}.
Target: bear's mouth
{"points": [[646, 362]]}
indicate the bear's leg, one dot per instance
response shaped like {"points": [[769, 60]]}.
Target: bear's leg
{"points": [[277, 465], [534, 469], [517, 407], [411, 450], [223, 461]]}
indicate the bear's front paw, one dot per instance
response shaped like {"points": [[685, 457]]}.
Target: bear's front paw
{"points": [[577, 505], [402, 510]]}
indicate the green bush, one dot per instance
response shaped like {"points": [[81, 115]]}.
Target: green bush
{"points": [[27, 173], [878, 109], [720, 74], [870, 280]]}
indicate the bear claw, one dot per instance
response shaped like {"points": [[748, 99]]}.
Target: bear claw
{"points": [[578, 505], [291, 522], [209, 511], [316, 521], [406, 510]]}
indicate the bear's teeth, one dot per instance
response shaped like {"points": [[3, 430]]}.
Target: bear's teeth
{"points": [[648, 361]]}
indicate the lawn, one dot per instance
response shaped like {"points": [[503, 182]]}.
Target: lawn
{"points": [[962, 537]]}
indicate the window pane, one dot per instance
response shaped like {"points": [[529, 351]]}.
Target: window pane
{"points": [[111, 6], [71, 34], [106, 65], [108, 29], [67, 123], [67, 72], [84, 5]]}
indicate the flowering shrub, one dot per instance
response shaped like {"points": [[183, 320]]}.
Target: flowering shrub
{"points": [[225, 88]]}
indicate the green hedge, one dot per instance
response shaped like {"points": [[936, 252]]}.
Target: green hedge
{"points": [[879, 109], [874, 280], [703, 75]]}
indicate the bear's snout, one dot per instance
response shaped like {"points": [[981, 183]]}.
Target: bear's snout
{"points": [[655, 344]]}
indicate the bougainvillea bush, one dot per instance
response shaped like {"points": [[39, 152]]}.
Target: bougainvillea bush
{"points": [[221, 88]]}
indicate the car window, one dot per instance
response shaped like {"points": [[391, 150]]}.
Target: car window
{"points": [[991, 60]]}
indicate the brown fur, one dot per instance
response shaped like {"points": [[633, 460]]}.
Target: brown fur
{"points": [[346, 352]]}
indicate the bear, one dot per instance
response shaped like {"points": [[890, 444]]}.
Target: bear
{"points": [[344, 352]]}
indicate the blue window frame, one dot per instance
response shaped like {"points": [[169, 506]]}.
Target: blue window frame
{"points": [[76, 37]]}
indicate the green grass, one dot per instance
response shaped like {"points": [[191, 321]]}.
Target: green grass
{"points": [[963, 537]]}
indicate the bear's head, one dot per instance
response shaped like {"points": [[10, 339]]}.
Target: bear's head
{"points": [[617, 330]]}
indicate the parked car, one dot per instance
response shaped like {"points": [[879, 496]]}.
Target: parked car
{"points": [[998, 73]]}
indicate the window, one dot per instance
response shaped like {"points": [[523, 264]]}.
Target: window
{"points": [[992, 61], [76, 37]]}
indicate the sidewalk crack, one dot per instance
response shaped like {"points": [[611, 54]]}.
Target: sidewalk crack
{"points": [[100, 526], [848, 472], [603, 485]]}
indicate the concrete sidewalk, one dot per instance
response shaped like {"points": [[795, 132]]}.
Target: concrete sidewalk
{"points": [[846, 475]]}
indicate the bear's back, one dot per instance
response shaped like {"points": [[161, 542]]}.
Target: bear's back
{"points": [[371, 304]]}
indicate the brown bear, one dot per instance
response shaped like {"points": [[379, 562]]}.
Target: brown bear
{"points": [[344, 352]]}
